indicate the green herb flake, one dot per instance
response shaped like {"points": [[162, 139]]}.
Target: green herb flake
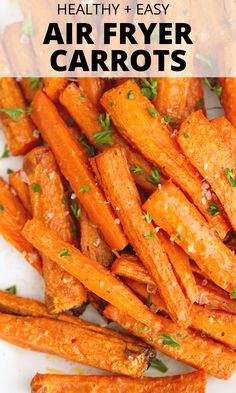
{"points": [[169, 340], [229, 174], [186, 135], [9, 171], [150, 340], [168, 119], [111, 104], [149, 88], [159, 365], [233, 293], [74, 232], [13, 113], [75, 210], [213, 209], [1, 208], [65, 201], [11, 290], [150, 236], [199, 104], [36, 187], [131, 95], [84, 188], [154, 176], [144, 328], [86, 146], [148, 217], [153, 112], [34, 83], [137, 170], [27, 26], [149, 300], [104, 137], [6, 152], [83, 97], [178, 236], [214, 86], [70, 122], [65, 253]]}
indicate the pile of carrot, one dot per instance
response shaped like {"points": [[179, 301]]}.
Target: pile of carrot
{"points": [[126, 199]]}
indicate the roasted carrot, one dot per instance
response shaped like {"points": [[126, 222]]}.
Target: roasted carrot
{"points": [[17, 126], [228, 99], [13, 216], [21, 188], [172, 211], [129, 266], [94, 276], [139, 122], [51, 383], [213, 160], [93, 88], [69, 156], [87, 117], [72, 342], [226, 132], [54, 86], [195, 98], [92, 243], [189, 347], [62, 291], [120, 189]]}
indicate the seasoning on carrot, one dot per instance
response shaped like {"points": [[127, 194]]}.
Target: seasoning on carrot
{"points": [[93, 88], [21, 188], [53, 87]]}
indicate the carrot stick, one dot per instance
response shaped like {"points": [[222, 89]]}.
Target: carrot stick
{"points": [[195, 98], [94, 276], [213, 160], [93, 88], [197, 351], [120, 189], [182, 221], [74, 343], [53, 87], [188, 383], [86, 116], [91, 242], [138, 121], [129, 266], [13, 216], [19, 132], [228, 99], [21, 189], [69, 156], [62, 291], [226, 132]]}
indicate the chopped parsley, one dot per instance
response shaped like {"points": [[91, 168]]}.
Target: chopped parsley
{"points": [[178, 236], [229, 173], [84, 188], [159, 365], [149, 300], [83, 97], [34, 83], [27, 26], [131, 95], [1, 208], [148, 217], [199, 104], [154, 176], [150, 236], [213, 209], [65, 201], [233, 293], [65, 253], [144, 328], [168, 339], [70, 122], [86, 146], [153, 112], [36, 187], [137, 170], [74, 232], [9, 171], [11, 290], [186, 135], [149, 88], [213, 85], [103, 137], [111, 103], [5, 153], [16, 113], [75, 210], [168, 119]]}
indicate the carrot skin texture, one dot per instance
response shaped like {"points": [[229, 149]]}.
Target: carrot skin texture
{"points": [[227, 133], [196, 238], [21, 189], [93, 88], [72, 342], [187, 383], [70, 157], [197, 351], [86, 116], [211, 159], [94, 276], [19, 135], [151, 136], [53, 87], [62, 291], [228, 99], [124, 197]]}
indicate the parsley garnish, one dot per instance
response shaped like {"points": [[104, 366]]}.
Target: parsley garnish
{"points": [[186, 136], [76, 210], [167, 339], [168, 119], [34, 83], [74, 232], [1, 208], [111, 103], [154, 176], [159, 365], [213, 85], [65, 253], [70, 122], [83, 97], [86, 146], [36, 187], [150, 236], [149, 300], [199, 104], [103, 137], [65, 201], [213, 209], [131, 95], [144, 328], [229, 173], [27, 27], [153, 112], [11, 290], [16, 113], [148, 217], [5, 153], [84, 188], [149, 88], [137, 170], [178, 236], [9, 171], [233, 293]]}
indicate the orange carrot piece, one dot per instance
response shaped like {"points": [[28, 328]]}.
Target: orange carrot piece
{"points": [[94, 276], [226, 132], [139, 122], [93, 88], [92, 243], [54, 86], [195, 98], [21, 189], [70, 341], [62, 291], [213, 159], [172, 211], [52, 383], [197, 351], [129, 266], [86, 116], [70, 157], [228, 99], [13, 216], [19, 134], [120, 189]]}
